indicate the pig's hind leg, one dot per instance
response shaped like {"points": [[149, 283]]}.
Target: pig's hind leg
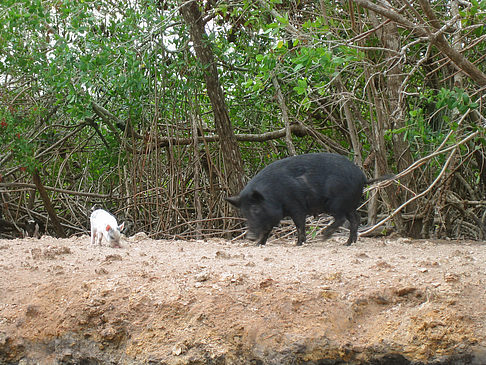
{"points": [[300, 224], [353, 219]]}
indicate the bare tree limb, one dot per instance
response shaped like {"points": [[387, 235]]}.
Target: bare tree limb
{"points": [[285, 116], [453, 150], [107, 118], [57, 190], [436, 38], [296, 129]]}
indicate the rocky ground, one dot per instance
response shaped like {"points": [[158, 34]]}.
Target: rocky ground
{"points": [[380, 301]]}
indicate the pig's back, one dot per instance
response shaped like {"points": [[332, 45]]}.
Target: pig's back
{"points": [[317, 167], [324, 182]]}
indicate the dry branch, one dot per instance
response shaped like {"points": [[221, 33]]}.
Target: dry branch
{"points": [[296, 129], [418, 163], [285, 116], [434, 35], [26, 186]]}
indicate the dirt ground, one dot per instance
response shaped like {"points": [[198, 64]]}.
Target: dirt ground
{"points": [[380, 301]]}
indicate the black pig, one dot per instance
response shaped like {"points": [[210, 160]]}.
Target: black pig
{"points": [[299, 186]]}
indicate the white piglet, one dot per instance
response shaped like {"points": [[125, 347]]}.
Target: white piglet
{"points": [[104, 224]]}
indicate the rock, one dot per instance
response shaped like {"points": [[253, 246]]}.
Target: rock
{"points": [[32, 310], [266, 283], [111, 258], [137, 237], [108, 334], [222, 255], [380, 299], [179, 349], [451, 277], [382, 265], [328, 293], [405, 291], [101, 271], [230, 278], [335, 276], [202, 276]]}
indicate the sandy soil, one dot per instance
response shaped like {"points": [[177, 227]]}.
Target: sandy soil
{"points": [[193, 302]]}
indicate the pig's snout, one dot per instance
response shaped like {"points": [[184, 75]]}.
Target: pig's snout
{"points": [[252, 236]]}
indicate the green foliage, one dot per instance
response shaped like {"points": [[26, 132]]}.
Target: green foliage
{"points": [[78, 52], [455, 99], [419, 133], [14, 141]]}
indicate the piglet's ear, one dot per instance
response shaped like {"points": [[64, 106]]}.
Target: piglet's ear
{"points": [[121, 226], [108, 227]]}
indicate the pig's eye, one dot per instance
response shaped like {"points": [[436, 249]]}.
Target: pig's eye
{"points": [[255, 209]]}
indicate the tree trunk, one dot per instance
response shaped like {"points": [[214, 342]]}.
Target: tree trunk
{"points": [[47, 204], [233, 165]]}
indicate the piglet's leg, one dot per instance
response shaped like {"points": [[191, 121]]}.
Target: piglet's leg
{"points": [[93, 235], [99, 236]]}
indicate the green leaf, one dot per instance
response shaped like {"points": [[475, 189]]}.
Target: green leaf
{"points": [[298, 67], [283, 20]]}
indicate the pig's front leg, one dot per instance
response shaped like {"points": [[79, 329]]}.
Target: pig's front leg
{"points": [[99, 237], [263, 238]]}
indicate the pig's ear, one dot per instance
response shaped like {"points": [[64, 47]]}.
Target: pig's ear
{"points": [[234, 200], [257, 197], [121, 226], [108, 227]]}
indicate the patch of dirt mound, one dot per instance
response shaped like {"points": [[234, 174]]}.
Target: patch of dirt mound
{"points": [[221, 302]]}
